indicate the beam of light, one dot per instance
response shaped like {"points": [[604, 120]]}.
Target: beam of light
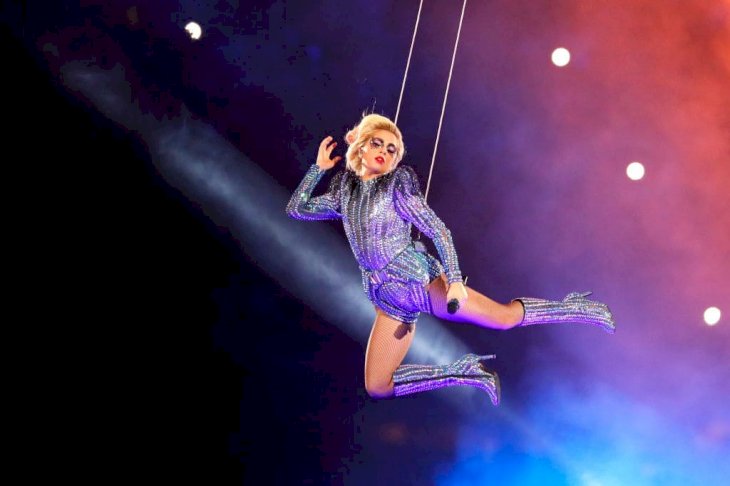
{"points": [[612, 442], [313, 264], [308, 259]]}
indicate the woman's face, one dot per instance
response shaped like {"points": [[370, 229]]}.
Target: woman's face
{"points": [[379, 154]]}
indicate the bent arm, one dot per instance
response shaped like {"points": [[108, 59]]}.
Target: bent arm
{"points": [[411, 205], [327, 206]]}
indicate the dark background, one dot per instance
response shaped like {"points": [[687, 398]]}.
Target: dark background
{"points": [[125, 282]]}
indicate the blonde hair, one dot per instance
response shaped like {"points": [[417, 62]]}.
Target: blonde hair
{"points": [[361, 134]]}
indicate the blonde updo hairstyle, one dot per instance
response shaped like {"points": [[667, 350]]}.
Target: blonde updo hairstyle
{"points": [[361, 134]]}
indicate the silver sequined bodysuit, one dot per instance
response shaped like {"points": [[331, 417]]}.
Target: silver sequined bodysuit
{"points": [[377, 215]]}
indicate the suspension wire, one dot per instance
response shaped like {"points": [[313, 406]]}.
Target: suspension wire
{"points": [[446, 94], [408, 62], [443, 106]]}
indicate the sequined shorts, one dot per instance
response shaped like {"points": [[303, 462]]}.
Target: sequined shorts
{"points": [[401, 288]]}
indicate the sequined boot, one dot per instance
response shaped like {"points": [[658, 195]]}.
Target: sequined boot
{"points": [[467, 370], [573, 308]]}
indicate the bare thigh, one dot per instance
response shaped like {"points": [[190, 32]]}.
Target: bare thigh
{"points": [[387, 347], [478, 308]]}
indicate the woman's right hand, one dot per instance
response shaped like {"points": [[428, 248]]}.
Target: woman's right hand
{"points": [[324, 156]]}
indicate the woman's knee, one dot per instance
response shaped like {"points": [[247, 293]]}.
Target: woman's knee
{"points": [[379, 388], [511, 315], [388, 344]]}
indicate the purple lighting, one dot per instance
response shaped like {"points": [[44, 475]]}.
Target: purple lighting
{"points": [[198, 334]]}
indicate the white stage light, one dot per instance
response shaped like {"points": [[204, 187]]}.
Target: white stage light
{"points": [[635, 171], [712, 316], [193, 28], [561, 57]]}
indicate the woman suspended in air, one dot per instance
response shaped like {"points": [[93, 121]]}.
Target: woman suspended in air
{"points": [[378, 201]]}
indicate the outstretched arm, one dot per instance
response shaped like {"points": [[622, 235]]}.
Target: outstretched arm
{"points": [[327, 206]]}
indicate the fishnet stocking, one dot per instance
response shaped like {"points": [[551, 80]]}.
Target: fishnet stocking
{"points": [[388, 344], [390, 339]]}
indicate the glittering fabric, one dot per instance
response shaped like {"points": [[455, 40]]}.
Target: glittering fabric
{"points": [[467, 370], [574, 308], [378, 215]]}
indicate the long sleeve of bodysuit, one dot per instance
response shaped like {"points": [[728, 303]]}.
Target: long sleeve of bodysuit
{"points": [[327, 206], [411, 205]]}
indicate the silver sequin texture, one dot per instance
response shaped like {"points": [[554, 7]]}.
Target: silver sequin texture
{"points": [[378, 215], [573, 308], [467, 370]]}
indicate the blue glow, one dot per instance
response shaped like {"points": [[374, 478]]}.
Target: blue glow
{"points": [[596, 437]]}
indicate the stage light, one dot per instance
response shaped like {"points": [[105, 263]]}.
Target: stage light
{"points": [[712, 316], [561, 57], [635, 171], [193, 28]]}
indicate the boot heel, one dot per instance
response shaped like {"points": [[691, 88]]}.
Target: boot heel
{"points": [[488, 382], [578, 295]]}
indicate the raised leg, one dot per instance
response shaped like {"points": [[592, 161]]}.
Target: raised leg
{"points": [[524, 311], [478, 308]]}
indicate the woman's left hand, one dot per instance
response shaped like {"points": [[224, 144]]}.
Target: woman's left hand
{"points": [[457, 291]]}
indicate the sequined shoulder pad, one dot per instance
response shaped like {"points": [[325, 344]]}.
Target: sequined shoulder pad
{"points": [[406, 180]]}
